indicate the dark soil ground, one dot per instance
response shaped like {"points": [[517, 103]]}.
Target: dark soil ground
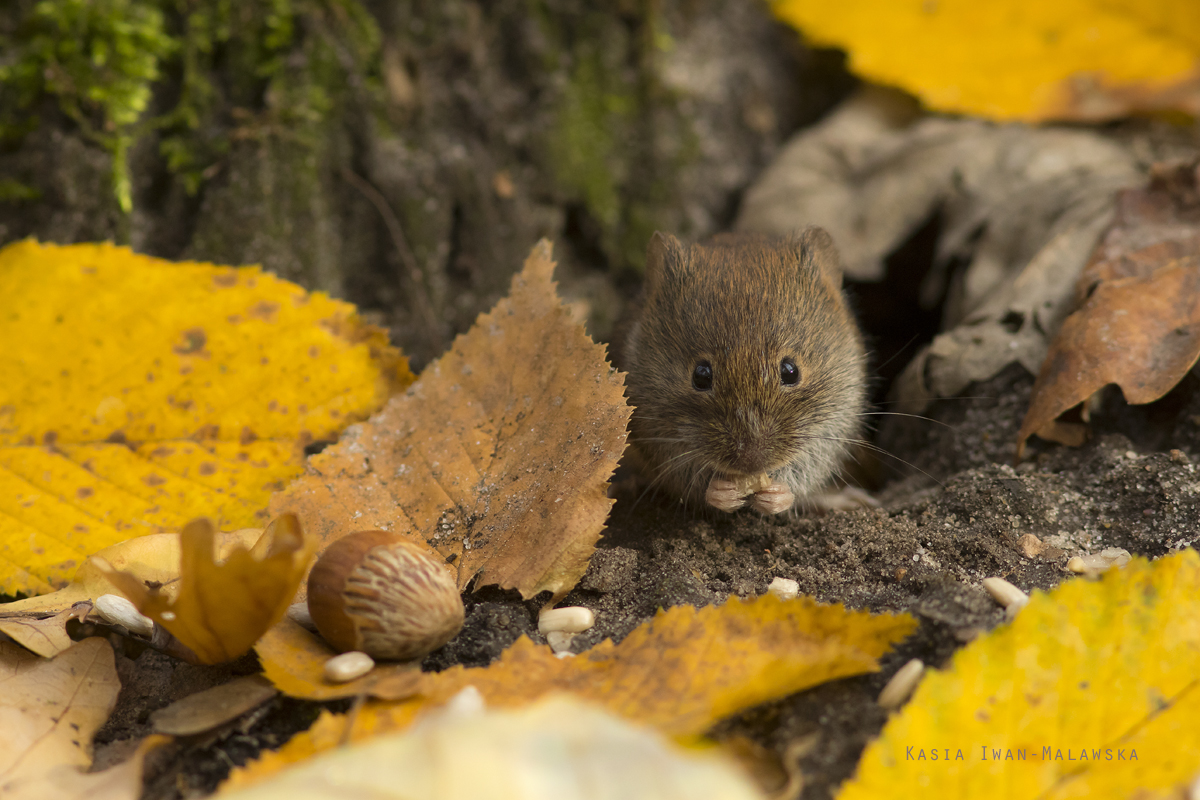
{"points": [[951, 515]]}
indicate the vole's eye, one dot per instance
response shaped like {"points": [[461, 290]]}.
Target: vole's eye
{"points": [[789, 373], [702, 377]]}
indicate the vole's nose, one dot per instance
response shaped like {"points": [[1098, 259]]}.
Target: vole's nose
{"points": [[749, 445]]}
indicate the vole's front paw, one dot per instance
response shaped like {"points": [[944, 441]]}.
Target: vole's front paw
{"points": [[775, 499], [725, 495]]}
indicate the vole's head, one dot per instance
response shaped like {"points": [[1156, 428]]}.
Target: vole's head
{"points": [[747, 357]]}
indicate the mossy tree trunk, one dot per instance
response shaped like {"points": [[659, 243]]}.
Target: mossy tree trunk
{"points": [[406, 155]]}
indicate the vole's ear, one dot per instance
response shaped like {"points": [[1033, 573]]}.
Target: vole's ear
{"points": [[664, 259], [815, 246]]}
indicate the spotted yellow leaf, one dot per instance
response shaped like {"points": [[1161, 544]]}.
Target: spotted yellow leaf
{"points": [[1019, 59], [140, 393], [1092, 691]]}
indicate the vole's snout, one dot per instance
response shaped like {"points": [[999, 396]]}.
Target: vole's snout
{"points": [[749, 447]]}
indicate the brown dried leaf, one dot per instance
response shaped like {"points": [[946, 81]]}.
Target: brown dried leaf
{"points": [[49, 710], [222, 608], [46, 636], [1138, 324], [66, 782], [498, 456], [213, 707]]}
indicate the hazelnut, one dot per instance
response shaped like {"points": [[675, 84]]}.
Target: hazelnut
{"points": [[376, 592]]}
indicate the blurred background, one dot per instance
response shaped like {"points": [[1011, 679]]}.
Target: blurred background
{"points": [[406, 155]]}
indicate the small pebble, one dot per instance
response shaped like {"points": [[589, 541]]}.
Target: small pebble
{"points": [[119, 611], [784, 588], [467, 703], [1098, 562], [572, 619], [348, 666], [1031, 545], [1116, 556], [902, 684], [1004, 593]]}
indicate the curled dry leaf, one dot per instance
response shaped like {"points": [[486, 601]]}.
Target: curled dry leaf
{"points": [[558, 749], [1067, 60], [140, 393], [151, 559], [220, 609], [1138, 320], [680, 672], [499, 455], [1083, 673]]}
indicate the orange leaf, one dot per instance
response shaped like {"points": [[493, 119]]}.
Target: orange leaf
{"points": [[680, 672], [498, 457], [294, 660], [222, 609]]}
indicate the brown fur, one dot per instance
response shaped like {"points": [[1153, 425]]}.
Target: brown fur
{"points": [[743, 302]]}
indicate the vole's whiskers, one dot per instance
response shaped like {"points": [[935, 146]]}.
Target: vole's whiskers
{"points": [[910, 416], [874, 448], [668, 469]]}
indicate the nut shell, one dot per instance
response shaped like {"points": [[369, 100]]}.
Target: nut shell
{"points": [[376, 592]]}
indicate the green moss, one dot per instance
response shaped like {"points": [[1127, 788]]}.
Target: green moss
{"points": [[104, 60], [12, 191], [100, 59], [619, 143], [585, 145]]}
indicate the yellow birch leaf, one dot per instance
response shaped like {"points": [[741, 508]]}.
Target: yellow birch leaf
{"points": [[680, 672], [140, 393], [1092, 690], [498, 457], [221, 608], [1019, 59]]}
